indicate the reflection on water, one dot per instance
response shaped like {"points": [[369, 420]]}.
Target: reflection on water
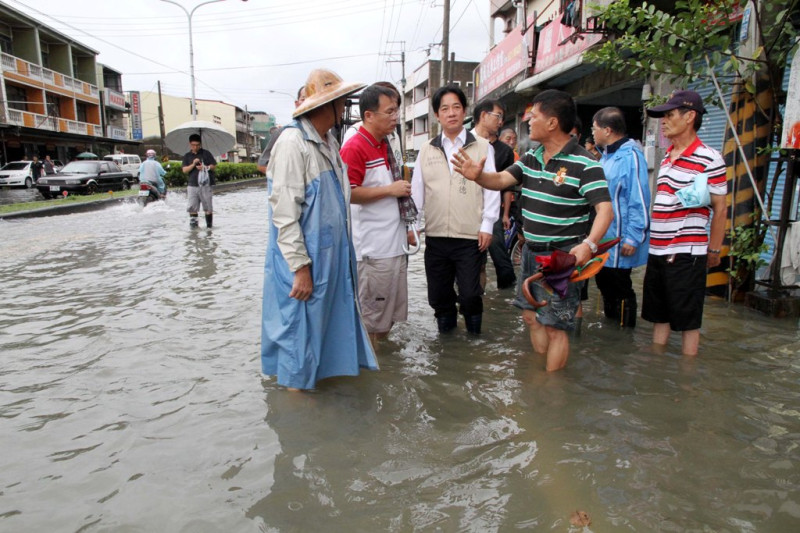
{"points": [[131, 398]]}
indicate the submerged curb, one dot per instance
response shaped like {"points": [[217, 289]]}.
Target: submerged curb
{"points": [[98, 204]]}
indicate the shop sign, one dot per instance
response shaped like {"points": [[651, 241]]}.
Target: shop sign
{"points": [[507, 59], [114, 132], [551, 51], [136, 115], [114, 99]]}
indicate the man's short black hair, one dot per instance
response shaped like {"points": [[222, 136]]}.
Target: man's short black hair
{"points": [[390, 86], [612, 118], [448, 89], [369, 99], [698, 117], [195, 138], [486, 106], [558, 104]]}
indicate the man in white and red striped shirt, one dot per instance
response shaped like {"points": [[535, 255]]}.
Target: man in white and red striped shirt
{"points": [[680, 247], [379, 233]]}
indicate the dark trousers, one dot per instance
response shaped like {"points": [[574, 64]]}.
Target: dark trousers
{"points": [[450, 261], [616, 287], [501, 259]]}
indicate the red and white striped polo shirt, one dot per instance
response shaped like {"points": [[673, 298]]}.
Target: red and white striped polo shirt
{"points": [[675, 229], [378, 231]]}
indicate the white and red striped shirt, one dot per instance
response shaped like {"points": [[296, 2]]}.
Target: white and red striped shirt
{"points": [[675, 229], [378, 231]]}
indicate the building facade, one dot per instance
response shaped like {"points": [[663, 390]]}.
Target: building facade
{"points": [[55, 98], [177, 109]]}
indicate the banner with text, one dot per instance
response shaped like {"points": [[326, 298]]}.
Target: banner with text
{"points": [[553, 49], [507, 59], [136, 115]]}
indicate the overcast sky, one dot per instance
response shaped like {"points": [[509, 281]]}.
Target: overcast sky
{"points": [[242, 50]]}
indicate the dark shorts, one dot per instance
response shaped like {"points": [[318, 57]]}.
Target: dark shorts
{"points": [[675, 291], [559, 313]]}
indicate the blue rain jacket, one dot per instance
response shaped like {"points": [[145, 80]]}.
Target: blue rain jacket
{"points": [[626, 174], [304, 342]]}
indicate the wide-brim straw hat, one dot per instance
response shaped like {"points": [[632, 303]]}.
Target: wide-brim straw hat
{"points": [[324, 86]]}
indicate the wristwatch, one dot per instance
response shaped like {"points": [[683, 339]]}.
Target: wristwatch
{"points": [[592, 246]]}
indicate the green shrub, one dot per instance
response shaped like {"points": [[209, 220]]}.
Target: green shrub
{"points": [[175, 176]]}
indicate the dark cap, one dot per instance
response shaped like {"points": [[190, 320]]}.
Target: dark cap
{"points": [[686, 99]]}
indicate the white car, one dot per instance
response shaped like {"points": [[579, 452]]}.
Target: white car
{"points": [[17, 174]]}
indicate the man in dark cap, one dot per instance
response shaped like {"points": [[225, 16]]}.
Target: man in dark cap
{"points": [[680, 246]]}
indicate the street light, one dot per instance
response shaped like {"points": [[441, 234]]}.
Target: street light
{"points": [[191, 46]]}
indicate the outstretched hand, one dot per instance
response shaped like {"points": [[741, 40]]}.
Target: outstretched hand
{"points": [[466, 166]]}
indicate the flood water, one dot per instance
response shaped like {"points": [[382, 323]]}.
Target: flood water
{"points": [[131, 399]]}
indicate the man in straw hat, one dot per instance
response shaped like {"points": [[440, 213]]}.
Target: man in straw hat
{"points": [[311, 324]]}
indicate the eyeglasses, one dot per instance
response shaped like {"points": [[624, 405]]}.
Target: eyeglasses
{"points": [[196, 145], [498, 116]]}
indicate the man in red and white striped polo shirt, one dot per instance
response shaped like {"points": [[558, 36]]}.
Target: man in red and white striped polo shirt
{"points": [[680, 247], [379, 233]]}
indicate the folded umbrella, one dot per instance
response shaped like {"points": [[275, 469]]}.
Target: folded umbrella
{"points": [[558, 270]]}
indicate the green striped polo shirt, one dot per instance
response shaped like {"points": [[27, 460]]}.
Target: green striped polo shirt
{"points": [[557, 198]]}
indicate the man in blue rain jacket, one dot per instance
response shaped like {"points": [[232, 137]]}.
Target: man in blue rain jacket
{"points": [[626, 173]]}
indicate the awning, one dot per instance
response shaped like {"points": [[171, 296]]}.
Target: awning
{"points": [[55, 136], [529, 85]]}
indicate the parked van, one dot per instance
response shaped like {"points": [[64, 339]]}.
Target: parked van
{"points": [[127, 162]]}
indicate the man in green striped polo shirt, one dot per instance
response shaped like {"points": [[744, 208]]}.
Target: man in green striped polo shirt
{"points": [[561, 183]]}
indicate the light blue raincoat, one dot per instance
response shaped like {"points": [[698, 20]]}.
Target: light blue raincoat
{"points": [[304, 342]]}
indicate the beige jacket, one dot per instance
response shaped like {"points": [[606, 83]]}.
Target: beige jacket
{"points": [[454, 206]]}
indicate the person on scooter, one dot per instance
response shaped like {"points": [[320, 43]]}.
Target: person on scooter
{"points": [[152, 172]]}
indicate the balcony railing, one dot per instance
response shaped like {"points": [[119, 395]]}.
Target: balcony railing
{"points": [[32, 120], [27, 119], [40, 74]]}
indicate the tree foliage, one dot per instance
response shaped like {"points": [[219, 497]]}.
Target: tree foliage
{"points": [[644, 40]]}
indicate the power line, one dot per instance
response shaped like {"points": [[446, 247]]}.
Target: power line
{"points": [[242, 67], [224, 26]]}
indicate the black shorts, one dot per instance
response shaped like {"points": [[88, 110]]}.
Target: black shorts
{"points": [[675, 291]]}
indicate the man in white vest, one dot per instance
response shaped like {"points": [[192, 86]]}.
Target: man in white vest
{"points": [[459, 215]]}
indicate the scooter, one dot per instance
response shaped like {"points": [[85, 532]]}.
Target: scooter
{"points": [[149, 193]]}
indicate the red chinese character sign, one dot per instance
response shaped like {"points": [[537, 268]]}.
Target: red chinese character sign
{"points": [[551, 51], [791, 117], [507, 59]]}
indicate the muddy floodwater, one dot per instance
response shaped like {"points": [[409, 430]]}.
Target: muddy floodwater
{"points": [[131, 399]]}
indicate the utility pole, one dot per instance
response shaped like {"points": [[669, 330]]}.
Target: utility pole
{"points": [[445, 42], [247, 133], [402, 62], [450, 67], [161, 121]]}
